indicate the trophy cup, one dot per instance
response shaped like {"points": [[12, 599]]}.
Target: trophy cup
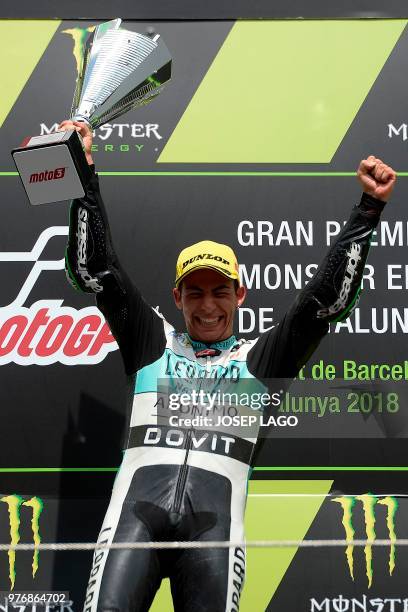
{"points": [[120, 70]]}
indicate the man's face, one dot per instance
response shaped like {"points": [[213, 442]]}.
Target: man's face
{"points": [[208, 301]]}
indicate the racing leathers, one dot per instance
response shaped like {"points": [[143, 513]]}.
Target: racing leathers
{"points": [[191, 483]]}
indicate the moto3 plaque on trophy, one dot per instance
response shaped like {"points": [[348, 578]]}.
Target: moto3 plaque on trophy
{"points": [[120, 70]]}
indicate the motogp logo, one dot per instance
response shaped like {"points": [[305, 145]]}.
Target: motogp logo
{"points": [[48, 332]]}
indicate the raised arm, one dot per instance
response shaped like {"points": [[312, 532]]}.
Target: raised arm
{"points": [[92, 267], [334, 290]]}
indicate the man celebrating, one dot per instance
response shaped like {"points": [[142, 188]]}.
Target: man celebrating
{"points": [[191, 486]]}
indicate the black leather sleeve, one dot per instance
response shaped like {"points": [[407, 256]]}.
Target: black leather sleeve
{"points": [[92, 267], [330, 296]]}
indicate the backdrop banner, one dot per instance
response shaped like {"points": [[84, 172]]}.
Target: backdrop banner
{"points": [[211, 9], [255, 143]]}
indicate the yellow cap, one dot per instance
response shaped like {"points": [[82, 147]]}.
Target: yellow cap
{"points": [[207, 254]]}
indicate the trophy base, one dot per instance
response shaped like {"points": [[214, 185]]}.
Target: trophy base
{"points": [[52, 168]]}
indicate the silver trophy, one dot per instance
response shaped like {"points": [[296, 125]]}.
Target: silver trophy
{"points": [[120, 70]]}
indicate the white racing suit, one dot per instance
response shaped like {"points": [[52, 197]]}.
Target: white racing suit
{"points": [[191, 483]]}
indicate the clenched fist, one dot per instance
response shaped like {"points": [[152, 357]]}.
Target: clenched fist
{"points": [[84, 130], [376, 178]]}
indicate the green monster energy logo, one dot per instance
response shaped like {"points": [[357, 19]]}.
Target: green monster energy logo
{"points": [[368, 503], [14, 503], [79, 36]]}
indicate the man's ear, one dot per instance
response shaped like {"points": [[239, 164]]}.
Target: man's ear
{"points": [[177, 298], [241, 295]]}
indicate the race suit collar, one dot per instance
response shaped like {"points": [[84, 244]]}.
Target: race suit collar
{"points": [[221, 345]]}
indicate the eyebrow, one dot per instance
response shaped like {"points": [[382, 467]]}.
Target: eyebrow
{"points": [[197, 288]]}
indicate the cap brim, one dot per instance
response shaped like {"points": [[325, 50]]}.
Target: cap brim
{"points": [[206, 267]]}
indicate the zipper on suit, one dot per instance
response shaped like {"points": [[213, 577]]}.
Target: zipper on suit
{"points": [[182, 477], [181, 480]]}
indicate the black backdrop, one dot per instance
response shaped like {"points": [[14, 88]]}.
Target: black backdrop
{"points": [[63, 418]]}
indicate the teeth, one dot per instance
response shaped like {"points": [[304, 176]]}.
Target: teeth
{"points": [[209, 321]]}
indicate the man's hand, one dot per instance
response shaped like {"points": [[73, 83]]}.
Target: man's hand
{"points": [[376, 178], [84, 130]]}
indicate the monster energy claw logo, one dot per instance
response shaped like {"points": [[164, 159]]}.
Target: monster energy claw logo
{"points": [[368, 503], [14, 503]]}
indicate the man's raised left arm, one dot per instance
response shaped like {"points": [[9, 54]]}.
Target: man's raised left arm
{"points": [[333, 292]]}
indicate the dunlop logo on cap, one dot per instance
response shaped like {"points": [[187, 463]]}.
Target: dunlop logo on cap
{"points": [[206, 256]]}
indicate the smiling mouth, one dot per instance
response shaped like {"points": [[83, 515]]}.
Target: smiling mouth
{"points": [[209, 322]]}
